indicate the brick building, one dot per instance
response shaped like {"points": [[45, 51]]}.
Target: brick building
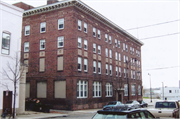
{"points": [[77, 58]]}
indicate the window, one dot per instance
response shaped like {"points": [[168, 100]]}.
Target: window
{"points": [[97, 89], [119, 44], [134, 75], [43, 27], [79, 63], [127, 58], [79, 24], [60, 23], [99, 49], [41, 64], [106, 38], [110, 53], [60, 41], [41, 89], [99, 67], [139, 89], [85, 45], [106, 69], [119, 57], [85, 65], [5, 43], [99, 34], [131, 50], [124, 58], [82, 89], [170, 91], [116, 71], [42, 44], [106, 50], [94, 32], [110, 70], [94, 48], [109, 92], [85, 27], [116, 42], [94, 66], [116, 55], [119, 71], [124, 73], [124, 46], [110, 40], [26, 46], [133, 89], [27, 30], [125, 90], [79, 42], [59, 89], [60, 63]]}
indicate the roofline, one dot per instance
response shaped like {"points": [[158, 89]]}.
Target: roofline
{"points": [[12, 6]]}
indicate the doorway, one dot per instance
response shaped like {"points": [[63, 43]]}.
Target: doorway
{"points": [[7, 102], [120, 97]]}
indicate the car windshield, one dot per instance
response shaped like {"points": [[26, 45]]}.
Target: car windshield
{"points": [[109, 116], [111, 103], [140, 102], [129, 102], [165, 105]]}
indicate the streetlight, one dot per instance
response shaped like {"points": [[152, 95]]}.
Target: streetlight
{"points": [[150, 86]]}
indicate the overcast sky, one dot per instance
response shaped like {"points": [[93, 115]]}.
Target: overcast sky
{"points": [[160, 52]]}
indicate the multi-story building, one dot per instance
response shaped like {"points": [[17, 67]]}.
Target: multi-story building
{"points": [[10, 44], [77, 58]]}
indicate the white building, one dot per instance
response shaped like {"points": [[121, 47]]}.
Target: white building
{"points": [[10, 44], [170, 93]]}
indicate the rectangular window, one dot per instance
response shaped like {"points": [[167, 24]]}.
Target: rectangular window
{"points": [[85, 65], [41, 89], [106, 50], [106, 69], [42, 44], [116, 42], [116, 55], [110, 70], [43, 27], [85, 44], [110, 53], [82, 89], [94, 32], [41, 64], [124, 46], [116, 71], [79, 42], [99, 67], [124, 58], [139, 89], [85, 27], [133, 89], [5, 43], [119, 44], [109, 90], [106, 38], [59, 89], [27, 90], [119, 57], [99, 34], [27, 30], [119, 71], [94, 66], [99, 49], [97, 91], [124, 73], [110, 40], [60, 63], [125, 90], [94, 48], [134, 74], [26, 46], [133, 51], [60, 23], [79, 63], [79, 24], [60, 41], [26, 62], [131, 74]]}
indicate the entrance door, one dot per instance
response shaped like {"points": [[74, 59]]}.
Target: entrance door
{"points": [[119, 98], [7, 101]]}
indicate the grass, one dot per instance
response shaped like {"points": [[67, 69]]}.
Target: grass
{"points": [[146, 98]]}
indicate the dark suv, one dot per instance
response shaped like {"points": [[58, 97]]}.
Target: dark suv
{"points": [[123, 114]]}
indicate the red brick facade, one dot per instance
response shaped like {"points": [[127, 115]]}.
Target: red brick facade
{"points": [[71, 52]]}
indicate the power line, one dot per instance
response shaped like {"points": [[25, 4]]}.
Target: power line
{"points": [[153, 25], [163, 68]]}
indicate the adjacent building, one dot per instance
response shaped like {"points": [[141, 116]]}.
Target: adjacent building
{"points": [[77, 58]]}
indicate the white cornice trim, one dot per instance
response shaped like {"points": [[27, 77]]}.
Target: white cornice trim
{"points": [[12, 7]]}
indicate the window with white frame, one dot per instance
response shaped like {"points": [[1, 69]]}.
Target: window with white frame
{"points": [[110, 40], [131, 74], [94, 66], [99, 49], [42, 44], [139, 64], [127, 58], [131, 61], [43, 27], [99, 67], [110, 53], [97, 91], [119, 56], [124, 46], [106, 38], [85, 27], [119, 71], [119, 44], [134, 74], [106, 50], [94, 32], [79, 63], [82, 89], [139, 89], [116, 55], [79, 25], [124, 73], [116, 71], [133, 51], [124, 58], [125, 90], [133, 89], [85, 44], [85, 65], [109, 90], [60, 41], [110, 70], [94, 48], [27, 30], [106, 69], [116, 42], [60, 23], [79, 42], [99, 34], [26, 46]]}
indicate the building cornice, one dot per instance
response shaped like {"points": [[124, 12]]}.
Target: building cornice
{"points": [[79, 4], [12, 7]]}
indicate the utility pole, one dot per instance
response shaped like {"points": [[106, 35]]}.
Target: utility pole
{"points": [[150, 86]]}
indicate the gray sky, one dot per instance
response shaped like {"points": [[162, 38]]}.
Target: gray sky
{"points": [[160, 55]]}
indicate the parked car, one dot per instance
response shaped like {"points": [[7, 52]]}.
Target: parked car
{"points": [[133, 104], [123, 114], [114, 104], [143, 103]]}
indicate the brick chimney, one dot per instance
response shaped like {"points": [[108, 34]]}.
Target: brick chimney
{"points": [[51, 1], [23, 5]]}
